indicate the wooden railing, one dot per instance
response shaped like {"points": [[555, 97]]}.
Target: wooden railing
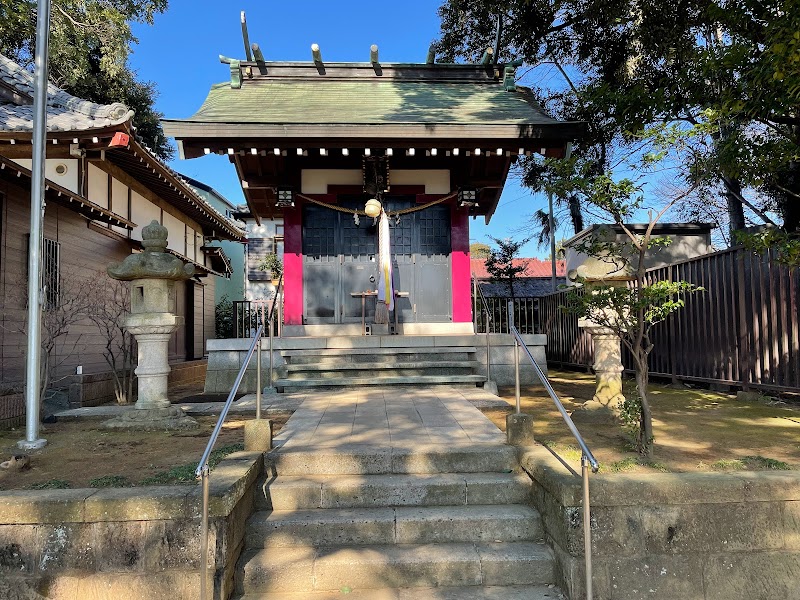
{"points": [[744, 329]]}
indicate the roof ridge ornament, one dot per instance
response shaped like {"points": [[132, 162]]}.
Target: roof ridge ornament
{"points": [[510, 74]]}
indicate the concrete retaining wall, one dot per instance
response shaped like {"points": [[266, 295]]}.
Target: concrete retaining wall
{"points": [[225, 356], [692, 536], [125, 543]]}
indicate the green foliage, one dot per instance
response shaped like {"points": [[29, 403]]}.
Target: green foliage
{"points": [[784, 246], [500, 263], [717, 81], [51, 484], [110, 481], [272, 263], [184, 474], [90, 41], [762, 462], [223, 318], [479, 250]]}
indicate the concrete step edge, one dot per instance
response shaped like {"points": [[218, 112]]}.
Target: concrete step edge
{"points": [[412, 380], [512, 592], [366, 491], [404, 565], [379, 350], [391, 366]]}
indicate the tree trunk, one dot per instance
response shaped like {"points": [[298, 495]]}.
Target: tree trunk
{"points": [[789, 205], [575, 213], [645, 441], [733, 191]]}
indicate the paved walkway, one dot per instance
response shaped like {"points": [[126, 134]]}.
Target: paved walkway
{"points": [[434, 414], [392, 416]]}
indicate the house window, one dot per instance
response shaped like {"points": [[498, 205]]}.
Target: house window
{"points": [[51, 272]]}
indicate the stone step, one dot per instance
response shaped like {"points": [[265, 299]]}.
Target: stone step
{"points": [[381, 460], [391, 380], [377, 354], [441, 489], [401, 525], [300, 569], [368, 367], [511, 592], [328, 372]]}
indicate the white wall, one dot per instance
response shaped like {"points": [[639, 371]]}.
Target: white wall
{"points": [[98, 186], [142, 212], [67, 180], [316, 181]]}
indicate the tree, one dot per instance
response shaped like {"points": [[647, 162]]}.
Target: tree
{"points": [[502, 263], [90, 42], [630, 311], [479, 250], [724, 75], [111, 303]]}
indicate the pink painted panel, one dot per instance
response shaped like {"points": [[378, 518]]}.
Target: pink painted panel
{"points": [[460, 276], [293, 266]]}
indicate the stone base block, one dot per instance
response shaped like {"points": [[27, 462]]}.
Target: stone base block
{"points": [[594, 412], [157, 419], [491, 388], [519, 430], [258, 435]]}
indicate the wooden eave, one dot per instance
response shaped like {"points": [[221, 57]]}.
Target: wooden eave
{"points": [[217, 255], [195, 136], [152, 173], [10, 170]]}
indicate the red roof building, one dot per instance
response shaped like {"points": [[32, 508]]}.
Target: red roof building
{"points": [[534, 267]]}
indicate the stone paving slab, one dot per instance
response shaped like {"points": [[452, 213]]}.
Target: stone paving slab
{"points": [[386, 416]]}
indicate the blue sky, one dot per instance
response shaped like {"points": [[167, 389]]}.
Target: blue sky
{"points": [[179, 53]]}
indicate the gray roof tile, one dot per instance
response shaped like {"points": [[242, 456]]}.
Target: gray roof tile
{"points": [[65, 112]]}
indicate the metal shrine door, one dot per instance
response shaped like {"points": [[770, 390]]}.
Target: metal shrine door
{"points": [[340, 258]]}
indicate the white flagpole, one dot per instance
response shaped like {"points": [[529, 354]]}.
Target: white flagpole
{"points": [[32, 440]]}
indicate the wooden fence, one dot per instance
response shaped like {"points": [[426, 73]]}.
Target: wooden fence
{"points": [[744, 329]]}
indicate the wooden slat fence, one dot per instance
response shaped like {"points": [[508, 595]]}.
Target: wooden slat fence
{"points": [[744, 329]]}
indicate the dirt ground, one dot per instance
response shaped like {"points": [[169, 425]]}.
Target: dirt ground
{"points": [[79, 452], [695, 429]]}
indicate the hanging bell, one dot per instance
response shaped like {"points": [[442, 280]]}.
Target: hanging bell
{"points": [[372, 208]]}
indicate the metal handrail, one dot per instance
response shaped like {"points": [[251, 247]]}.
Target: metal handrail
{"points": [[202, 470], [587, 458], [479, 294]]}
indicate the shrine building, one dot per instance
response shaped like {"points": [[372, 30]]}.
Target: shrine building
{"points": [[313, 142]]}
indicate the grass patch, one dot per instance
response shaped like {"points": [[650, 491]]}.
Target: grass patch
{"points": [[186, 473], [51, 484], [624, 465], [565, 451], [110, 481], [728, 464], [657, 466], [762, 462]]}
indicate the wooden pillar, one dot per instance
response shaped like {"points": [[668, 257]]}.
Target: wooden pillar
{"points": [[293, 265], [460, 276]]}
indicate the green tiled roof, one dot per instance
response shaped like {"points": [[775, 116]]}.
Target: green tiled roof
{"points": [[369, 101]]}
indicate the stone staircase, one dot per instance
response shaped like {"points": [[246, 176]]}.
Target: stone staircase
{"points": [[431, 522], [318, 368]]}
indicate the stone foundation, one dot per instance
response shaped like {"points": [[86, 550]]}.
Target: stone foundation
{"points": [[225, 356], [689, 536], [125, 543]]}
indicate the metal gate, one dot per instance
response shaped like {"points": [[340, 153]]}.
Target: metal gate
{"points": [[340, 258]]}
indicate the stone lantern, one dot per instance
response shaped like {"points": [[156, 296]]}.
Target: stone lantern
{"points": [[152, 275], [603, 407]]}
